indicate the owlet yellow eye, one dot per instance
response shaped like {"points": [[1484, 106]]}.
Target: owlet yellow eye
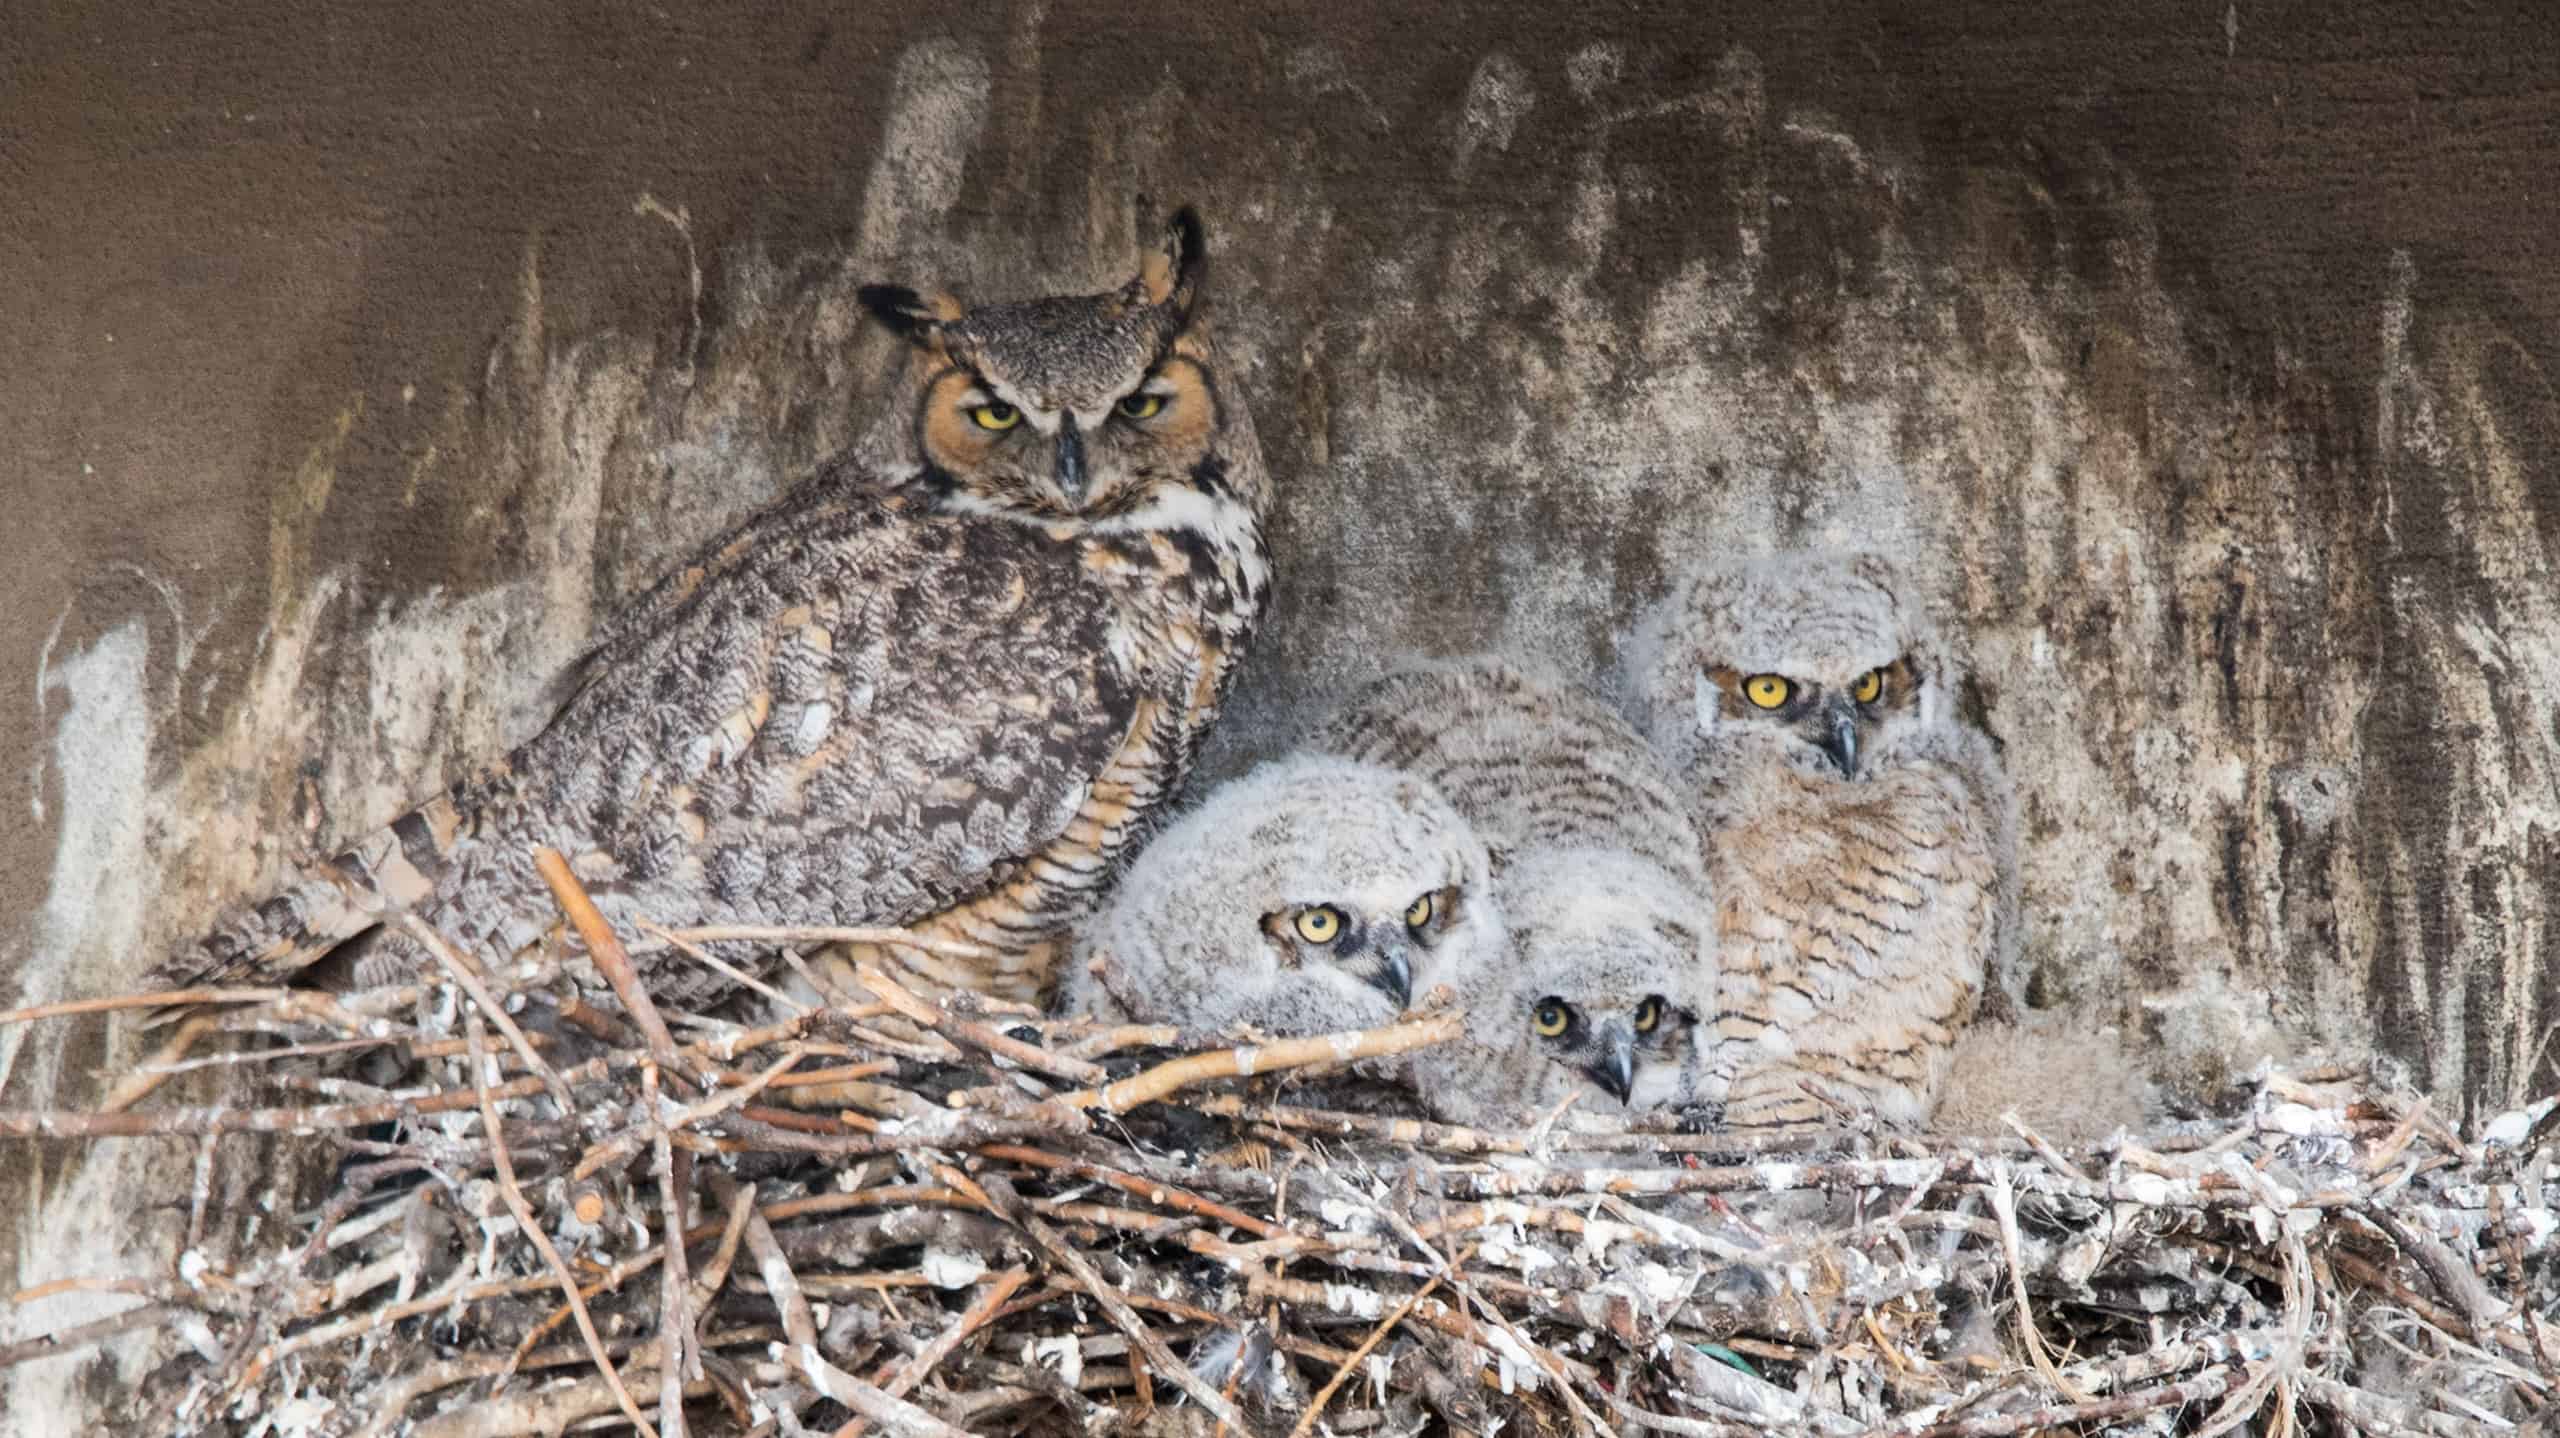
{"points": [[1649, 1014], [1767, 690], [1550, 1017], [1869, 685], [1141, 405], [1320, 925], [998, 415], [1421, 912]]}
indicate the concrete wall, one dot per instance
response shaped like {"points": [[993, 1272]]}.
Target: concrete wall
{"points": [[2197, 354]]}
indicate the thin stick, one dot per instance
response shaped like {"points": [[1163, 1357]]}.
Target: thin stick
{"points": [[772, 934], [2062, 1416], [846, 1073], [1553, 1365], [78, 1336], [1006, 1284], [675, 1323], [1177, 1074], [1342, 1373], [1456, 1138], [984, 1036], [898, 1416], [722, 967], [2004, 1209], [739, 1202], [1122, 1316], [461, 971], [610, 958], [622, 1145], [162, 1064], [532, 1229], [62, 1124], [166, 998], [1162, 1193]]}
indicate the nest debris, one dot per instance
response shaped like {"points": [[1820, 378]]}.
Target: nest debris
{"points": [[572, 1219]]}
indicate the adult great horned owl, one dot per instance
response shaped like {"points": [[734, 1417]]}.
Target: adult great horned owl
{"points": [[1314, 894], [1859, 834], [1609, 977], [941, 685]]}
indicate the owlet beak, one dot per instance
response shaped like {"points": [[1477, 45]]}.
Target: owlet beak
{"points": [[1840, 738], [1614, 1066], [1394, 977]]}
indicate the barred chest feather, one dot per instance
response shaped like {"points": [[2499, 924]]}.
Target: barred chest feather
{"points": [[1189, 576]]}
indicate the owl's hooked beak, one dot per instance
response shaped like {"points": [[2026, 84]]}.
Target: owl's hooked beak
{"points": [[1070, 460], [1840, 736], [1395, 975], [1614, 1066]]}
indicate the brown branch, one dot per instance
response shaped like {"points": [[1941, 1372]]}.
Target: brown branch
{"points": [[916, 1369], [679, 1360], [464, 974], [722, 967], [1122, 1316], [1342, 1372], [1153, 1192], [134, 1087], [974, 1033], [510, 1416], [1177, 1074], [785, 934], [79, 1336], [531, 1226], [611, 959], [541, 1410], [164, 999], [2202, 1388], [899, 1417], [740, 1202], [78, 1124]]}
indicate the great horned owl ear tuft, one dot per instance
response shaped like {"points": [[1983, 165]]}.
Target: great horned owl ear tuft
{"points": [[903, 311], [1171, 276]]}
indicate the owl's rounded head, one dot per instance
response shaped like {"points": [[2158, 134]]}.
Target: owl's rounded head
{"points": [[1607, 981], [1313, 894], [1086, 407], [1825, 656]]}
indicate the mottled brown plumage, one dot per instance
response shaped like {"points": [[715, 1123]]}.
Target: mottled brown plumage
{"points": [[1858, 833], [941, 685]]}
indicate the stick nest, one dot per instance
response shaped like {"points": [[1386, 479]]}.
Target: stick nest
{"points": [[555, 1214]]}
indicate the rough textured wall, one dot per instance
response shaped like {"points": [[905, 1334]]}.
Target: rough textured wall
{"points": [[2198, 358]]}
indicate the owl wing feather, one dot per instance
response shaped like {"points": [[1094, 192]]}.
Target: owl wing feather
{"points": [[862, 719], [648, 610], [847, 712]]}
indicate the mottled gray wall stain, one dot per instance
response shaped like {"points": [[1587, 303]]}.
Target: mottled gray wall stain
{"points": [[2199, 361]]}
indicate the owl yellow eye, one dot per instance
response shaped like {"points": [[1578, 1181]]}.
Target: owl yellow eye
{"points": [[1421, 912], [1141, 405], [1767, 690], [998, 415], [1550, 1017], [1320, 925], [1649, 1014], [1869, 685]]}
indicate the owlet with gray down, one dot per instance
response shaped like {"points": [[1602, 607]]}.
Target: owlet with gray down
{"points": [[1315, 894], [1609, 976], [943, 685], [1859, 834]]}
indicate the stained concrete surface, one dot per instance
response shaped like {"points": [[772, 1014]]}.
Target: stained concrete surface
{"points": [[2197, 355]]}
